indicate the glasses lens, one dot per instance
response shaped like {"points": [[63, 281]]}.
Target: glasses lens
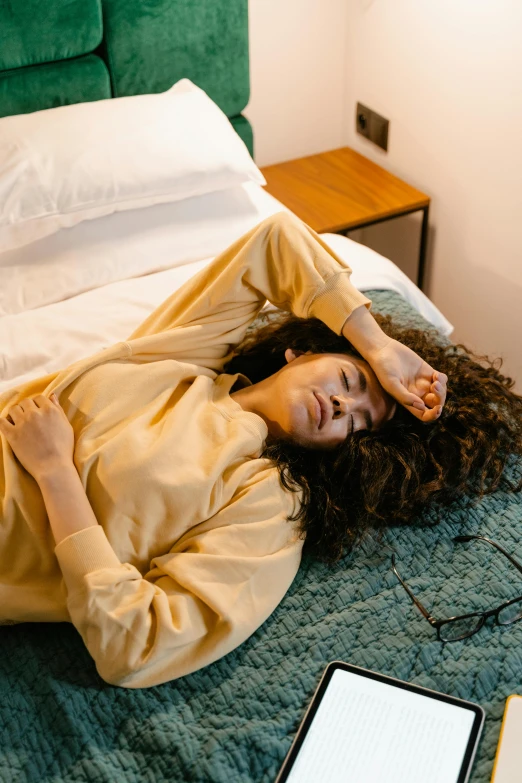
{"points": [[460, 628], [511, 613]]}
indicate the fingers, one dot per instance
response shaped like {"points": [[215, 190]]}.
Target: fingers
{"points": [[428, 415], [16, 413], [430, 407], [41, 400], [24, 406], [431, 414], [412, 402], [427, 408], [438, 390], [436, 395], [434, 399], [406, 398]]}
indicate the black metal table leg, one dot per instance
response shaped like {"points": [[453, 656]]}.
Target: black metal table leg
{"points": [[423, 238], [423, 243]]}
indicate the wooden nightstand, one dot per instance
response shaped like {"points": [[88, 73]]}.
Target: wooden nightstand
{"points": [[340, 190]]}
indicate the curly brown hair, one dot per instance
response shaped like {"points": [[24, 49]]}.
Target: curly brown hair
{"points": [[387, 477]]}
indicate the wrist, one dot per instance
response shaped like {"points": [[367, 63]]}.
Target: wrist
{"points": [[55, 473], [364, 333]]}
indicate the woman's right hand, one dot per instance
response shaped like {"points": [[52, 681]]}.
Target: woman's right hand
{"points": [[410, 380], [40, 435]]}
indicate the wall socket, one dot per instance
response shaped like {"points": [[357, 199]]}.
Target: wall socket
{"points": [[371, 125]]}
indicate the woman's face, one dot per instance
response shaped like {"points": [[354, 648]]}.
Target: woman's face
{"points": [[320, 399]]}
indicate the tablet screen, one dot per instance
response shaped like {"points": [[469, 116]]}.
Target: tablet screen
{"points": [[366, 730]]}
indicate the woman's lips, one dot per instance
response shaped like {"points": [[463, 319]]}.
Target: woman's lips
{"points": [[320, 411]]}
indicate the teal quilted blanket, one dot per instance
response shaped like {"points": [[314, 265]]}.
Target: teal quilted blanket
{"points": [[234, 721]]}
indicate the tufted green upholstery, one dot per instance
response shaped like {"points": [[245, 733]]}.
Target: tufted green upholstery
{"points": [[25, 90], [41, 31], [242, 126], [151, 45], [148, 45]]}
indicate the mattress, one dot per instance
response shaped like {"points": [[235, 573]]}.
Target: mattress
{"points": [[233, 721]]}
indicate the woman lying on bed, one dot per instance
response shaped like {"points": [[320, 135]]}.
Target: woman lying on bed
{"points": [[158, 494]]}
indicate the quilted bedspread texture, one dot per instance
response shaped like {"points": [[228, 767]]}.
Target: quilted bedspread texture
{"points": [[234, 721]]}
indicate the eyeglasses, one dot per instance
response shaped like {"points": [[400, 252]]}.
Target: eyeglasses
{"points": [[453, 629]]}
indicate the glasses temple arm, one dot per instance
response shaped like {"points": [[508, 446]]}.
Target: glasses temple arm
{"points": [[416, 601], [464, 539]]}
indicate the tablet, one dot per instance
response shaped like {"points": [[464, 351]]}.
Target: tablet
{"points": [[363, 727]]}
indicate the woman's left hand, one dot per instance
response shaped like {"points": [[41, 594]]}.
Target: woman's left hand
{"points": [[410, 380], [40, 434]]}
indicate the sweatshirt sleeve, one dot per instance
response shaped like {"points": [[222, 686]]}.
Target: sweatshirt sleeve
{"points": [[281, 260], [198, 602]]}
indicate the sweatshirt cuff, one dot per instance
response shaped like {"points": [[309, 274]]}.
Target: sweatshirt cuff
{"points": [[336, 301], [81, 553]]}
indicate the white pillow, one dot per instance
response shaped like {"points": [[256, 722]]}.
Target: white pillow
{"points": [[61, 166], [128, 244]]}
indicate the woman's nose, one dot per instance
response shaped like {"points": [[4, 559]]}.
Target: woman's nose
{"points": [[340, 406]]}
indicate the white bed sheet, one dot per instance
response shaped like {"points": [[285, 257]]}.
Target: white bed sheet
{"points": [[177, 239]]}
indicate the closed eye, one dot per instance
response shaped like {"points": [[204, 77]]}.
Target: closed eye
{"points": [[347, 385]]}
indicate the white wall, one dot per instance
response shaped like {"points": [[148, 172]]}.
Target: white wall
{"points": [[448, 75], [297, 76]]}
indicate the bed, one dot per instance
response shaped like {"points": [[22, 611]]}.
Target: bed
{"points": [[87, 286]]}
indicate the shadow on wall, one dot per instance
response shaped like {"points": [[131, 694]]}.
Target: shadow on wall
{"points": [[488, 322], [494, 316]]}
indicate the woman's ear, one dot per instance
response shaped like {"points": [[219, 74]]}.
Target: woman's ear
{"points": [[290, 354]]}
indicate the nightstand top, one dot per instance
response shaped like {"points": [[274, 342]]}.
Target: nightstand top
{"points": [[341, 189]]}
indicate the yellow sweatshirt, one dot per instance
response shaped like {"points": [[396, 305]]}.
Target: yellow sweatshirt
{"points": [[193, 550]]}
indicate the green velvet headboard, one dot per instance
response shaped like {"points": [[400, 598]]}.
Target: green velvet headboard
{"points": [[56, 52]]}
